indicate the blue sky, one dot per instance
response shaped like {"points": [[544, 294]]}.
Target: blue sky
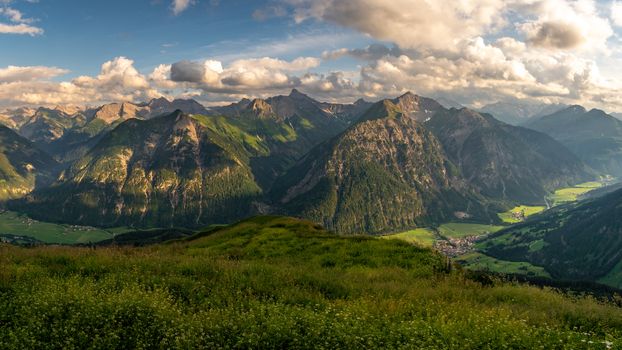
{"points": [[79, 35], [217, 51]]}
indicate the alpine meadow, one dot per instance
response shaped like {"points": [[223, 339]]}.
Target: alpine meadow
{"points": [[311, 174]]}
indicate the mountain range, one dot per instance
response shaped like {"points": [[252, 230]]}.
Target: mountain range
{"points": [[519, 113], [360, 167]]}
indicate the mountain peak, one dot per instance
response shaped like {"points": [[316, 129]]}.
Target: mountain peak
{"points": [[381, 110], [576, 109], [297, 94], [408, 94]]}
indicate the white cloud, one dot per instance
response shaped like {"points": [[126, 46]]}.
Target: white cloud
{"points": [[179, 6], [14, 15], [616, 13], [14, 73], [241, 75], [21, 25], [415, 24], [561, 24], [118, 81]]}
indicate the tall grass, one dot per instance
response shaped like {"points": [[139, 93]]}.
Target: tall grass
{"points": [[279, 283]]}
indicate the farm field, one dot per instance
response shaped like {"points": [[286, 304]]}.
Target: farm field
{"points": [[460, 230], [510, 217], [481, 262], [421, 236], [572, 194], [14, 224]]}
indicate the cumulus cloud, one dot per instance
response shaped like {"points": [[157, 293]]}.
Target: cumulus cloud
{"points": [[560, 24], [561, 35], [118, 81], [241, 75], [414, 24]]}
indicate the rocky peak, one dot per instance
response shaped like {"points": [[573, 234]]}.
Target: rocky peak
{"points": [[417, 107], [260, 108], [68, 109], [161, 102]]}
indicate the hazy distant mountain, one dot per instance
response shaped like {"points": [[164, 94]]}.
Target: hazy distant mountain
{"points": [[594, 136], [520, 113], [15, 118], [385, 172], [447, 102], [504, 161], [22, 165], [580, 241], [617, 115]]}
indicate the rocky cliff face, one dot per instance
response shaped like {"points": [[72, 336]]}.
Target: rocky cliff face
{"points": [[385, 172]]}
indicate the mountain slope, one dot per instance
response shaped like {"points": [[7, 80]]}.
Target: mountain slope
{"points": [[580, 241], [503, 161], [594, 136], [172, 170], [22, 165], [386, 172], [290, 125]]}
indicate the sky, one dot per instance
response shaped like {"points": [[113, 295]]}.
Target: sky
{"points": [[474, 52]]}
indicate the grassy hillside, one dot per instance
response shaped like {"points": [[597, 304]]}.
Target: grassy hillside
{"points": [[279, 283], [577, 241]]}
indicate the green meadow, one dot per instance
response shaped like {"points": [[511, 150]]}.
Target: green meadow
{"points": [[15, 224], [572, 194], [508, 217], [280, 283], [482, 262], [461, 230]]}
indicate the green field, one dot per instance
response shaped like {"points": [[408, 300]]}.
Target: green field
{"points": [[422, 236], [280, 283], [460, 230], [509, 218], [15, 224], [481, 262], [572, 194]]}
